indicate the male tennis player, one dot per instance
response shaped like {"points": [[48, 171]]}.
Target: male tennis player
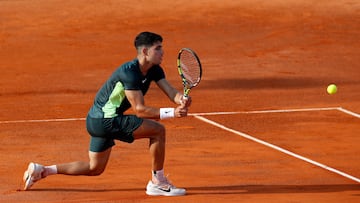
{"points": [[107, 122]]}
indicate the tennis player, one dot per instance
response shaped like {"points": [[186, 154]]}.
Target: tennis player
{"points": [[107, 121]]}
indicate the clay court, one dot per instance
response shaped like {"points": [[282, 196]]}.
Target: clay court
{"points": [[262, 127]]}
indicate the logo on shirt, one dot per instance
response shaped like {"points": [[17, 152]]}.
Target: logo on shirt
{"points": [[144, 80]]}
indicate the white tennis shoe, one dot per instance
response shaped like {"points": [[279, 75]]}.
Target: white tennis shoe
{"points": [[164, 188], [32, 174]]}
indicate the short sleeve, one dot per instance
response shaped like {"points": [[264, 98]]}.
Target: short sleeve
{"points": [[131, 79], [157, 73]]}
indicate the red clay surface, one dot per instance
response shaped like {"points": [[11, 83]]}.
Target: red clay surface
{"points": [[257, 55]]}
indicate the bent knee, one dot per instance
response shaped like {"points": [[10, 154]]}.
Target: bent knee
{"points": [[96, 171], [150, 129], [161, 130]]}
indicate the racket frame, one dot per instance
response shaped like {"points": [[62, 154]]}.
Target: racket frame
{"points": [[186, 84]]}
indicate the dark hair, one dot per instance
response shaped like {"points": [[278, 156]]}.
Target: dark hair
{"points": [[147, 39]]}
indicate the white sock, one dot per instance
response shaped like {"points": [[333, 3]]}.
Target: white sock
{"points": [[158, 175], [50, 170]]}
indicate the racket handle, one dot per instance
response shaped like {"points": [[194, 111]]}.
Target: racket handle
{"points": [[186, 93], [184, 97]]}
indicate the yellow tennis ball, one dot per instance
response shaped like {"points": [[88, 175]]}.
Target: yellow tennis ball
{"points": [[332, 89]]}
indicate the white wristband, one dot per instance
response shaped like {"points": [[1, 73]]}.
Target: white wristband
{"points": [[167, 113]]}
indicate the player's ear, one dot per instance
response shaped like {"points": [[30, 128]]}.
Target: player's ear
{"points": [[144, 51]]}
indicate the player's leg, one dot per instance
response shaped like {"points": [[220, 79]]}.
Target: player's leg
{"points": [[156, 134], [159, 184], [99, 153], [96, 165]]}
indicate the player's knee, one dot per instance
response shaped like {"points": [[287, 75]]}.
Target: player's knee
{"points": [[160, 134], [161, 130], [157, 129], [96, 171], [153, 130], [157, 132]]}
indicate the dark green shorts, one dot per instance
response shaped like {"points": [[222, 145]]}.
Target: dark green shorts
{"points": [[104, 131]]}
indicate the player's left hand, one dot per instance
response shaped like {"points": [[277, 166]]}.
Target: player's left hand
{"points": [[185, 101]]}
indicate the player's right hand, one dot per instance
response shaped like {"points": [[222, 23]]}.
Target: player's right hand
{"points": [[181, 111]]}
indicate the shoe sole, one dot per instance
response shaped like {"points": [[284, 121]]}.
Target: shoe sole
{"points": [[163, 193], [27, 176], [32, 174]]}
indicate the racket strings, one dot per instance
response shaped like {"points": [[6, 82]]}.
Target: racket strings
{"points": [[190, 68]]}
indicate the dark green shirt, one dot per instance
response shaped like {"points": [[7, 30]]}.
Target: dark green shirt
{"points": [[111, 101]]}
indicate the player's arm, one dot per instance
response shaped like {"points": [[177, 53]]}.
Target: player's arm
{"points": [[172, 93], [136, 100]]}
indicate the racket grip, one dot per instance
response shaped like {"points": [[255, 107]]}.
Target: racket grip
{"points": [[186, 93], [184, 97]]}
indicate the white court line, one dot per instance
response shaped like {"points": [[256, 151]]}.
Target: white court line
{"points": [[278, 149], [349, 112], [267, 111], [201, 114], [43, 120]]}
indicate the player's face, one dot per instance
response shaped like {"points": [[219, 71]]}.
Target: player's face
{"points": [[155, 53]]}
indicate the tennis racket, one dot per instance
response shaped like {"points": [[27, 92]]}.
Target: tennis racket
{"points": [[189, 68]]}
